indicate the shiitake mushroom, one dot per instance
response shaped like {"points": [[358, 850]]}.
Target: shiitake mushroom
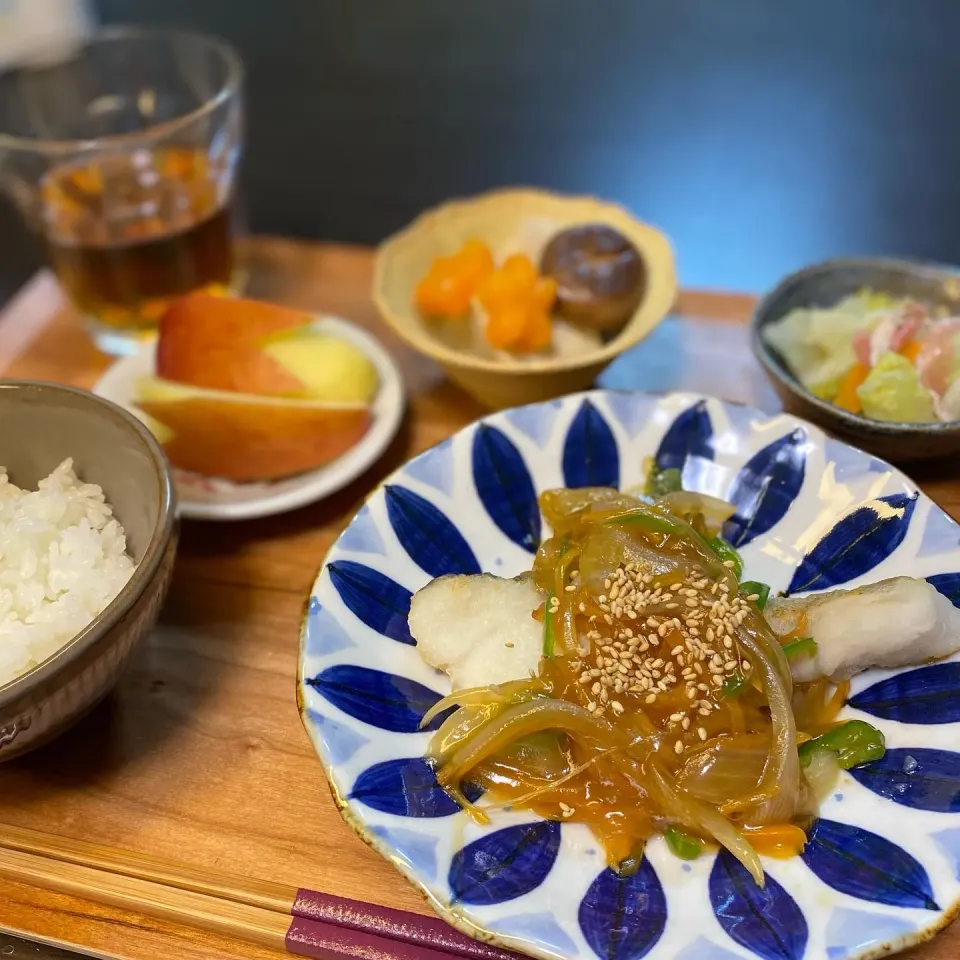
{"points": [[600, 275]]}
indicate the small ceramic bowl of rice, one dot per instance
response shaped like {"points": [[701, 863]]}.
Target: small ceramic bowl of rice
{"points": [[87, 541]]}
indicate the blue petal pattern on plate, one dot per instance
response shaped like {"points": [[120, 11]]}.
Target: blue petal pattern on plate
{"points": [[906, 799], [340, 741], [622, 918], [861, 540], [434, 467], [504, 486], [373, 598], [927, 695], [765, 488], [949, 842], [766, 921], [690, 435], [381, 699], [324, 635], [851, 932], [867, 866], [948, 584], [590, 456], [917, 777], [541, 928], [417, 849], [506, 864], [406, 787], [431, 540], [362, 535]]}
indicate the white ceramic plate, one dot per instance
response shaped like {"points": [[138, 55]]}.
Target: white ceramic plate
{"points": [[881, 868], [210, 498]]}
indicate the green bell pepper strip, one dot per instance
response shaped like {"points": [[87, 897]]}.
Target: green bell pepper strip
{"points": [[733, 686], [854, 743], [681, 844], [660, 482], [750, 588], [549, 631], [726, 552], [800, 647]]}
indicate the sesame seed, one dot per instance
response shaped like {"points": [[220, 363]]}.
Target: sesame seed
{"points": [[591, 706], [704, 711], [678, 747], [702, 733], [685, 723], [509, 644], [595, 689], [570, 587], [746, 666], [754, 597], [583, 608], [692, 603], [650, 698], [717, 680], [691, 692], [617, 706], [729, 564], [727, 643], [672, 606], [676, 717], [676, 586]]}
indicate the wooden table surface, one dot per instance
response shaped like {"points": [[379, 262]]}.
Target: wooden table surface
{"points": [[199, 755]]}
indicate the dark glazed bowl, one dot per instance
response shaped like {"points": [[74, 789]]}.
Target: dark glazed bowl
{"points": [[41, 424], [823, 285]]}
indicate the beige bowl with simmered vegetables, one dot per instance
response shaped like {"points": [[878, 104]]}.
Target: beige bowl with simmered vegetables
{"points": [[517, 221]]}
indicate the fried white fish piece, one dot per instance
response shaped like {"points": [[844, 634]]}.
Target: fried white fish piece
{"points": [[892, 623], [479, 629]]}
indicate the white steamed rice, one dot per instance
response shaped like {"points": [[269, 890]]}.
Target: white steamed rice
{"points": [[62, 560]]}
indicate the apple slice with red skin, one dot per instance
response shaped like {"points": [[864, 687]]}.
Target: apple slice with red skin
{"points": [[243, 437], [216, 343]]}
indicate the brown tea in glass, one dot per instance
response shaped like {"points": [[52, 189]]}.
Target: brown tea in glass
{"points": [[122, 151], [128, 234]]}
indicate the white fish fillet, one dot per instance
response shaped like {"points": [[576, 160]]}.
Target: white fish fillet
{"points": [[478, 629], [892, 623]]}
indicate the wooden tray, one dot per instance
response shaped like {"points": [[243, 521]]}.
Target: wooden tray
{"points": [[199, 755]]}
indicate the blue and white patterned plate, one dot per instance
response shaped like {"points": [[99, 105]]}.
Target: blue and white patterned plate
{"points": [[881, 870]]}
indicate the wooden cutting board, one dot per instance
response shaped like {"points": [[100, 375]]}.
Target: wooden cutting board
{"points": [[199, 755]]}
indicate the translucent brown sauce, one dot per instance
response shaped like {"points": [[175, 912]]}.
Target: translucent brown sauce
{"points": [[657, 658]]}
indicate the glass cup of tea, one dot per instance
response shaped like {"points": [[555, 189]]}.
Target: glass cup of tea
{"points": [[122, 150]]}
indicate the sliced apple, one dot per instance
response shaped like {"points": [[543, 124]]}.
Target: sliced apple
{"points": [[329, 368], [215, 343], [225, 343], [244, 437]]}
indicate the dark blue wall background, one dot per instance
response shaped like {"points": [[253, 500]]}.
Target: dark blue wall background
{"points": [[760, 134]]}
